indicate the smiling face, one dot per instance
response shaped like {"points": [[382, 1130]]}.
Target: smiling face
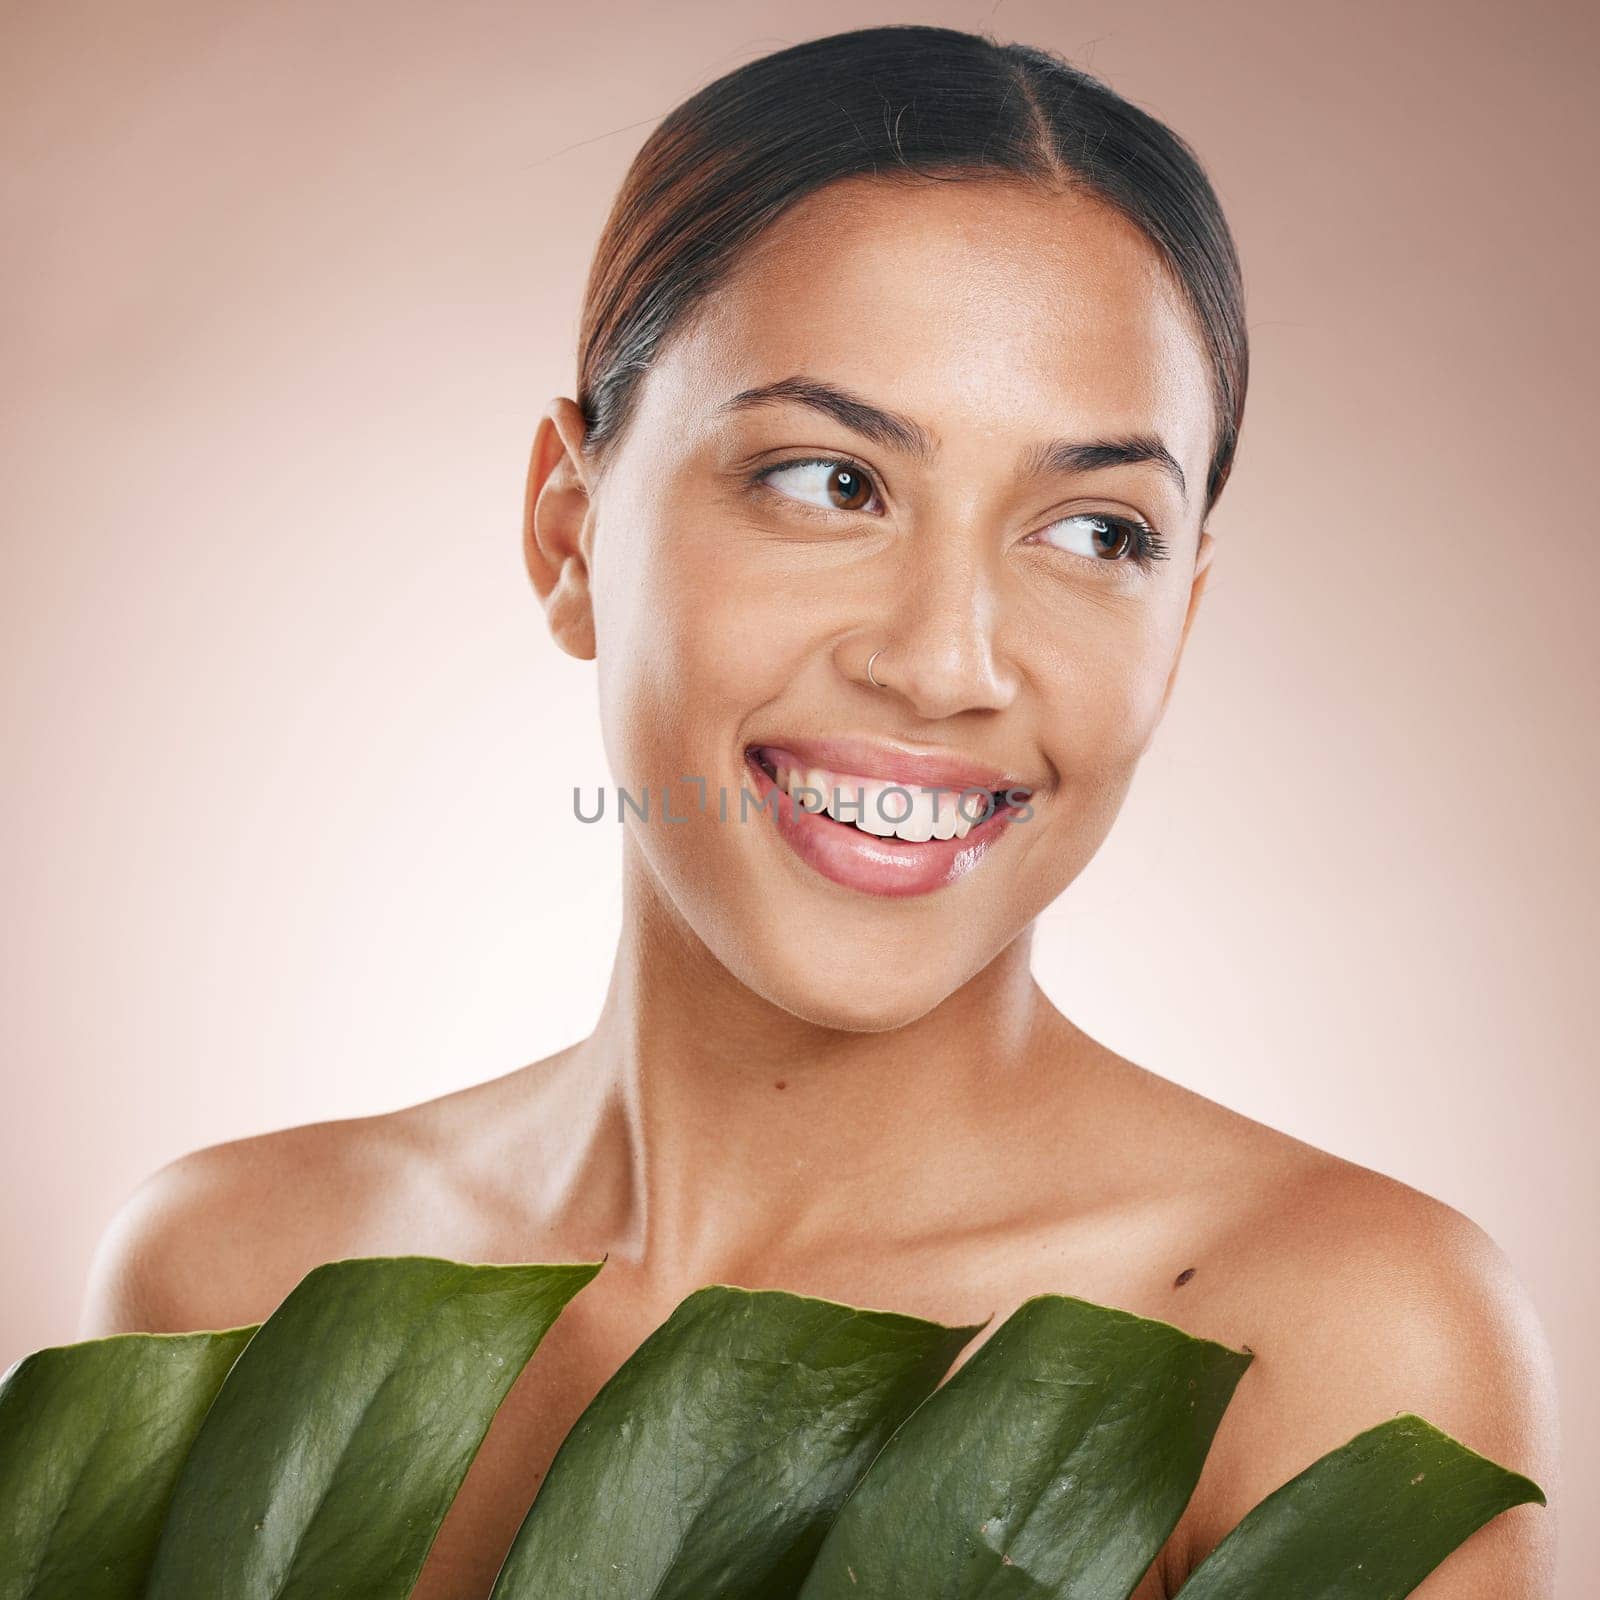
{"points": [[913, 490]]}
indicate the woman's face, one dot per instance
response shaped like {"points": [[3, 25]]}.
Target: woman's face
{"points": [[741, 561]]}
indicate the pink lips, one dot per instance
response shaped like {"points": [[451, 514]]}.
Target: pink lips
{"points": [[862, 861]]}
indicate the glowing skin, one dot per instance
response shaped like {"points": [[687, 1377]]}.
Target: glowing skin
{"points": [[798, 1080], [724, 612]]}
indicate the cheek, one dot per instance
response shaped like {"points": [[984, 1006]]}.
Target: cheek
{"points": [[690, 642], [1102, 690]]}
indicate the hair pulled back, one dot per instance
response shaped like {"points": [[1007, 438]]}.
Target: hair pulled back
{"points": [[905, 102]]}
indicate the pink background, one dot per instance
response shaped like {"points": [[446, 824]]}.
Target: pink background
{"points": [[286, 827]]}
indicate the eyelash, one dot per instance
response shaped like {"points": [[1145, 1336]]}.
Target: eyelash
{"points": [[1147, 545]]}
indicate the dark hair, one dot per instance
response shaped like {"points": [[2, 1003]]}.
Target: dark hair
{"points": [[908, 102]]}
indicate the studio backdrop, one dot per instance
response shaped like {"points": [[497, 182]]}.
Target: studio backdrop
{"points": [[288, 826]]}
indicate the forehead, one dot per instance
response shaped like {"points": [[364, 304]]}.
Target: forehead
{"points": [[975, 306]]}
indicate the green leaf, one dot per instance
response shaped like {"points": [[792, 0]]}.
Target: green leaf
{"points": [[92, 1438], [342, 1434], [715, 1457], [739, 1454], [1370, 1519], [1055, 1462]]}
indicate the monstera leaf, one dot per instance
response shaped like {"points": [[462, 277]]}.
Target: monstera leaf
{"points": [[92, 1439], [340, 1436], [1056, 1461], [759, 1445], [714, 1460], [1360, 1521]]}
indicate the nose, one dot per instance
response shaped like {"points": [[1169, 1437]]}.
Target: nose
{"points": [[939, 638]]}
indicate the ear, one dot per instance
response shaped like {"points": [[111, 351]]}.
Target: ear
{"points": [[557, 528], [1202, 569]]}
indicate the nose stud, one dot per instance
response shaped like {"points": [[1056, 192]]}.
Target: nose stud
{"points": [[870, 674]]}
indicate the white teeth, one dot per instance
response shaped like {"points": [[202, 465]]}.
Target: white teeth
{"points": [[882, 808], [919, 825]]}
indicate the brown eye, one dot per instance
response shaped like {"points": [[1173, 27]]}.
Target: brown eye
{"points": [[826, 482], [1111, 542], [1104, 537], [848, 487], [1101, 537]]}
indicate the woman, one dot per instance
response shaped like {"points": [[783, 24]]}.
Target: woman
{"points": [[911, 370]]}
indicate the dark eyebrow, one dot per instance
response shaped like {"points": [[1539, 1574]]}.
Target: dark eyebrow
{"points": [[1066, 455], [897, 432], [872, 422]]}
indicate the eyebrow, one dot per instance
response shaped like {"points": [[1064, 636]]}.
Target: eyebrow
{"points": [[896, 432]]}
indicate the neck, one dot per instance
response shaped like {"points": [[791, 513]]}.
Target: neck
{"points": [[741, 1132]]}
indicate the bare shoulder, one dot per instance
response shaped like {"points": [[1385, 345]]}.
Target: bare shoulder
{"points": [[1360, 1297], [217, 1237], [1364, 1297]]}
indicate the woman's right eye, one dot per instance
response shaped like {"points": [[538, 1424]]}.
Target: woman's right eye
{"points": [[829, 482]]}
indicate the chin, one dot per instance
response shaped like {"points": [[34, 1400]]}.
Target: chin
{"points": [[830, 988], [871, 1015], [857, 1013]]}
